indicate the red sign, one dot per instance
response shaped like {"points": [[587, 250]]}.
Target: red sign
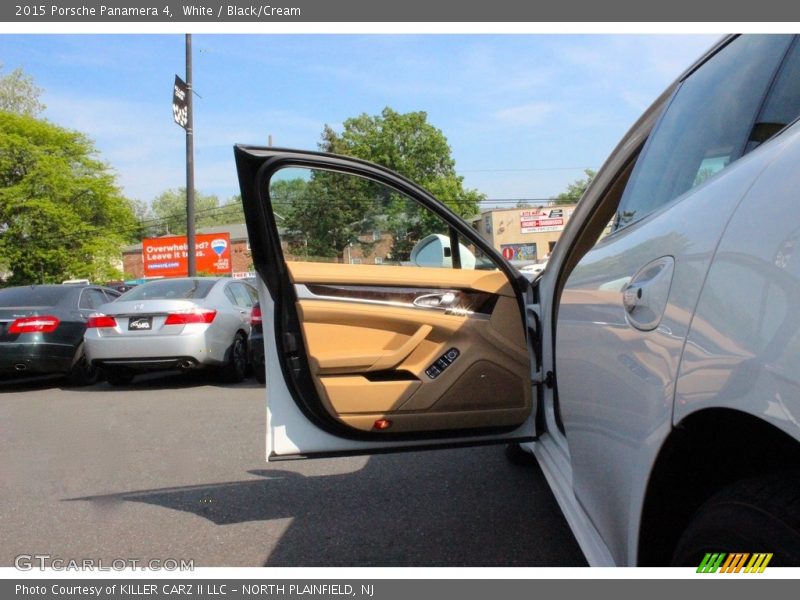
{"points": [[542, 220], [508, 253], [168, 256]]}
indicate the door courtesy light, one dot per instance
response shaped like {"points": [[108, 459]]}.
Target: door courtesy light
{"points": [[34, 325], [382, 424], [199, 315]]}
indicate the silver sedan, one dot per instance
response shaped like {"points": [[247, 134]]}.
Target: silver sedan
{"points": [[182, 323]]}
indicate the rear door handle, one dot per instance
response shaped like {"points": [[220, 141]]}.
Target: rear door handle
{"points": [[633, 297], [645, 298]]}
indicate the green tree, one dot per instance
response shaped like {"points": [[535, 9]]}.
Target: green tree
{"points": [[294, 215], [19, 94], [169, 208], [147, 223], [167, 215], [324, 214], [231, 211], [61, 213], [576, 189], [405, 143]]}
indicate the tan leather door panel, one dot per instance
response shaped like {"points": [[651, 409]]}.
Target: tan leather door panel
{"points": [[370, 359], [313, 272]]}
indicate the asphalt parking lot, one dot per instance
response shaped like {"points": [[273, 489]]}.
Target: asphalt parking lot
{"points": [[173, 466]]}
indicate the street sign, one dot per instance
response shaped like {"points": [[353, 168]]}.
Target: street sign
{"points": [[519, 251], [180, 102]]}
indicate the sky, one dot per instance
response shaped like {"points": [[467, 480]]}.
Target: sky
{"points": [[524, 114]]}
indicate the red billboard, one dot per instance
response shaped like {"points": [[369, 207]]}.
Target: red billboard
{"points": [[168, 256]]}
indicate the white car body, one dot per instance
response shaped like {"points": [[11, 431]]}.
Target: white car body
{"points": [[648, 404], [532, 271]]}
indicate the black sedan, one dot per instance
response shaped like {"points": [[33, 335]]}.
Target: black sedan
{"points": [[42, 327]]}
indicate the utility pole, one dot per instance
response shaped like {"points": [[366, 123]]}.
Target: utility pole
{"points": [[190, 162]]}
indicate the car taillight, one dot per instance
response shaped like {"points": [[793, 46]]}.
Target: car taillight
{"points": [[198, 315], [101, 321], [43, 324], [255, 316]]}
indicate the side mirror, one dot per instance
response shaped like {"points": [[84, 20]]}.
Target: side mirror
{"points": [[434, 251]]}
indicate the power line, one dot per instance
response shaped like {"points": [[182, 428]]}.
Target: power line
{"points": [[147, 223], [139, 226], [525, 170]]}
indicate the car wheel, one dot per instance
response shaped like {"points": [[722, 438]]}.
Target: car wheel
{"points": [[517, 456], [117, 376], [755, 515], [236, 369], [82, 372]]}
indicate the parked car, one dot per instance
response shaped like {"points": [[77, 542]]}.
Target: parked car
{"points": [[42, 326], [652, 368], [533, 270], [255, 344], [120, 286], [184, 323]]}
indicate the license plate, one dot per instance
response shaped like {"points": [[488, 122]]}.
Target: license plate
{"points": [[140, 323]]}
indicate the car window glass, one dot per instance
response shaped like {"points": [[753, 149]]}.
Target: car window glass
{"points": [[33, 296], [253, 294], [782, 105], [92, 298], [167, 289], [229, 294], [111, 295], [241, 297], [323, 216], [706, 125], [85, 301]]}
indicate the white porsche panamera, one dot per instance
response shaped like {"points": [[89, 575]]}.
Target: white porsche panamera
{"points": [[652, 369]]}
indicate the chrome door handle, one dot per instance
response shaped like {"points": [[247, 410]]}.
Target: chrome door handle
{"points": [[645, 298], [633, 297], [444, 300]]}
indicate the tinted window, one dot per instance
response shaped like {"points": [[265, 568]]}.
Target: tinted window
{"points": [[706, 125], [783, 102], [91, 298], [165, 289], [33, 296], [241, 295], [253, 294]]}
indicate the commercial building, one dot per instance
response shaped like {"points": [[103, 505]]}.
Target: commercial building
{"points": [[524, 234]]}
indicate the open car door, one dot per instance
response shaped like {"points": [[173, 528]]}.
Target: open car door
{"points": [[389, 323]]}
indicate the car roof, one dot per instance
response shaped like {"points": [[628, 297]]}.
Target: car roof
{"points": [[69, 293], [176, 279]]}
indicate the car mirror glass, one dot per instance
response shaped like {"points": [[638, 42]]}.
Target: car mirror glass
{"points": [[434, 251]]}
